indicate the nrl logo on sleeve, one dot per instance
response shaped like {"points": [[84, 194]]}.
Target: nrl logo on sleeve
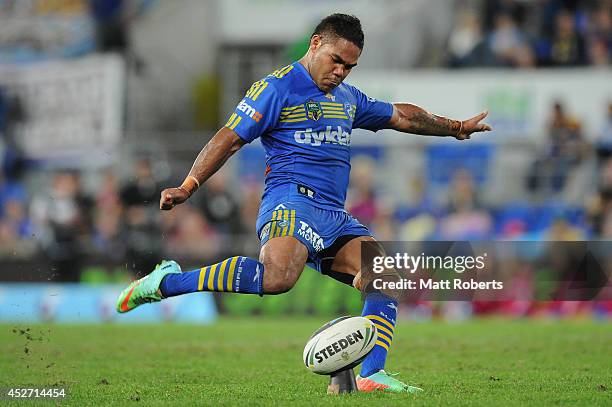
{"points": [[313, 110]]}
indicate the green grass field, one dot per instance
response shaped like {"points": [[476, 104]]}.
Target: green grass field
{"points": [[258, 362]]}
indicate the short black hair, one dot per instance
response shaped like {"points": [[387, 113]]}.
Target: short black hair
{"points": [[342, 26]]}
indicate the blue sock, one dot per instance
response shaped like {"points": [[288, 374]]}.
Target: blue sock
{"points": [[382, 311], [236, 274]]}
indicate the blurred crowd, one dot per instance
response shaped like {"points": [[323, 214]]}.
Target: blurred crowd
{"points": [[118, 226], [461, 210], [527, 34]]}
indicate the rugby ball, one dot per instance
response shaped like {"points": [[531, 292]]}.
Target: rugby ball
{"points": [[340, 344]]}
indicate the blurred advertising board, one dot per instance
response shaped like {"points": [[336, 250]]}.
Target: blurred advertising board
{"points": [[519, 102], [282, 21], [71, 108], [80, 303]]}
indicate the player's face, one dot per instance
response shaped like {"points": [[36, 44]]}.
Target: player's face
{"points": [[332, 61]]}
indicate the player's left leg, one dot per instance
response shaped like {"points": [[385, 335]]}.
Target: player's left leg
{"points": [[280, 264], [236, 274], [381, 309]]}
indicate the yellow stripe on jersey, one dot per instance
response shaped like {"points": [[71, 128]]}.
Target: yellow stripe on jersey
{"points": [[332, 104], [253, 89], [287, 69], [230, 276], [231, 119], [261, 89], [256, 89], [273, 227], [301, 119], [292, 222], [291, 108], [279, 219], [286, 219], [292, 114], [279, 73], [334, 111], [233, 125], [282, 215]]}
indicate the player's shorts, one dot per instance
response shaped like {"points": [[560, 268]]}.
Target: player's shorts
{"points": [[316, 228]]}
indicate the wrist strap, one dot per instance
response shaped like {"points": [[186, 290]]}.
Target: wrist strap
{"points": [[190, 185], [460, 128]]}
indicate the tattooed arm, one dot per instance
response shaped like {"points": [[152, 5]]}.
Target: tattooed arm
{"points": [[212, 157], [409, 118]]}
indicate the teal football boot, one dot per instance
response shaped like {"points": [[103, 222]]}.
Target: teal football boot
{"points": [[384, 381], [146, 289]]}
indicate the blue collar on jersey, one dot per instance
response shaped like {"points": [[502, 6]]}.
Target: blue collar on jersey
{"points": [[305, 72]]}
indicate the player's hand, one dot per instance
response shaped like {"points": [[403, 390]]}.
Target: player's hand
{"points": [[171, 197], [473, 125]]}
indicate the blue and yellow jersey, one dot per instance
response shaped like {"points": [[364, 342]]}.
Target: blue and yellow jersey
{"points": [[306, 134]]}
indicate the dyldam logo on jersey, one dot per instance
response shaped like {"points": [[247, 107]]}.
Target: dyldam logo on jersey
{"points": [[316, 138], [247, 109]]}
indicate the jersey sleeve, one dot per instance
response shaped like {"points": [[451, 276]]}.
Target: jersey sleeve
{"points": [[257, 112], [371, 114]]}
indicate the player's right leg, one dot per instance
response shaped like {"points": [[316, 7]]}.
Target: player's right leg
{"points": [[280, 264], [379, 307]]}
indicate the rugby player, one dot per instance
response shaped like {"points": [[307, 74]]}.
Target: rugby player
{"points": [[304, 114]]}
